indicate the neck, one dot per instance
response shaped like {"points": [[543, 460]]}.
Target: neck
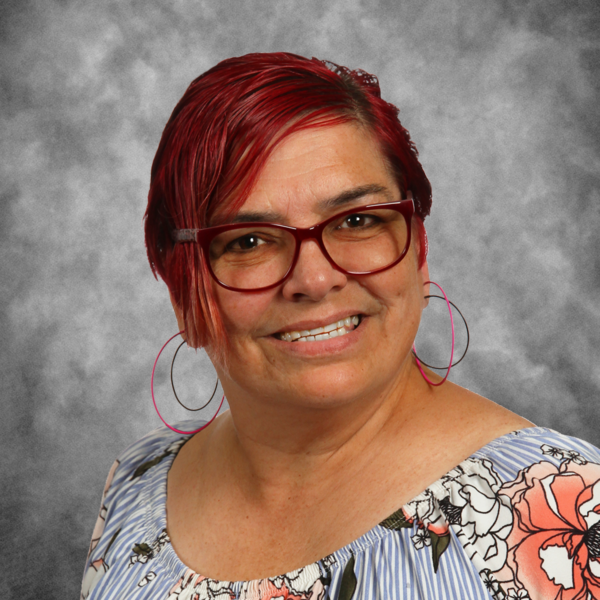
{"points": [[274, 445]]}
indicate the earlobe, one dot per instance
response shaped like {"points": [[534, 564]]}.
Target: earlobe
{"points": [[424, 271]]}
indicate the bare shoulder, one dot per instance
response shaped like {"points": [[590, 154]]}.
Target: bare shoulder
{"points": [[478, 419], [453, 424]]}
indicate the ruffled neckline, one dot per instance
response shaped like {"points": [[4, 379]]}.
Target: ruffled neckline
{"points": [[155, 494]]}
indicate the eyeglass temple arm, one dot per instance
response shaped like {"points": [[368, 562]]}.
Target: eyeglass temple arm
{"points": [[184, 235]]}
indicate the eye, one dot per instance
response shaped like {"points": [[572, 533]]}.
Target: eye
{"points": [[245, 243], [357, 220]]}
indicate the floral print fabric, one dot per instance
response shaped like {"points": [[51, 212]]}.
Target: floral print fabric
{"points": [[554, 545], [519, 519]]}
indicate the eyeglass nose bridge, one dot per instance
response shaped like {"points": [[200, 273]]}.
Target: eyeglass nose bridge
{"points": [[309, 233], [405, 207], [315, 232]]}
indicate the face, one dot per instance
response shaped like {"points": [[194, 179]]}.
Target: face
{"points": [[305, 170]]}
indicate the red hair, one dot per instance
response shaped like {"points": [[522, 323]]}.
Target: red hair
{"points": [[219, 137]]}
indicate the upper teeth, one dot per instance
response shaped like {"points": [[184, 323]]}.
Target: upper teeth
{"points": [[332, 330]]}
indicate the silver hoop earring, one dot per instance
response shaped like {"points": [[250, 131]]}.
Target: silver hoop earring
{"points": [[468, 336], [173, 385]]}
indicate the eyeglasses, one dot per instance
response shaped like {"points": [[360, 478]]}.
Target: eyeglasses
{"points": [[252, 257]]}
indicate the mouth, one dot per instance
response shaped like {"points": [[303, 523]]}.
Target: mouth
{"points": [[327, 332]]}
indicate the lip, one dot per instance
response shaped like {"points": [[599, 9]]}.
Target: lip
{"points": [[322, 348], [321, 322]]}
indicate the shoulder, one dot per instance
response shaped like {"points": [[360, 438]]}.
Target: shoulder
{"points": [[141, 456], [526, 448], [549, 490], [470, 421], [542, 471], [131, 482], [524, 508], [463, 423], [126, 482]]}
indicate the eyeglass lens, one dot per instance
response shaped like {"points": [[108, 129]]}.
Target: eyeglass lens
{"points": [[256, 257]]}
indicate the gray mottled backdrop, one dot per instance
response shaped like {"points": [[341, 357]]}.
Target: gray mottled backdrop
{"points": [[502, 99]]}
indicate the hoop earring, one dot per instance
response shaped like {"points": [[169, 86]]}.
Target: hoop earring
{"points": [[175, 393], [451, 364], [468, 335], [154, 399]]}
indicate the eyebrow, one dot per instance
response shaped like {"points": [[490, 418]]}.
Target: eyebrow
{"points": [[354, 194], [344, 198]]}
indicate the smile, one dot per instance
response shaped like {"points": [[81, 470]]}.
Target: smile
{"points": [[336, 329]]}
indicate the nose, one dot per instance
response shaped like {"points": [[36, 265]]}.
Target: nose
{"points": [[313, 276]]}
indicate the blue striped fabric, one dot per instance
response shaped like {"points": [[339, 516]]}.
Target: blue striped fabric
{"points": [[469, 535]]}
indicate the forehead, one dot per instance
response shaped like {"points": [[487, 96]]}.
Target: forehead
{"points": [[311, 166]]}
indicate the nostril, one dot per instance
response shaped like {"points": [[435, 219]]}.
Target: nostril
{"points": [[313, 275]]}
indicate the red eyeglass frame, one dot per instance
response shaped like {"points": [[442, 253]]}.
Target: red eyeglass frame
{"points": [[204, 237]]}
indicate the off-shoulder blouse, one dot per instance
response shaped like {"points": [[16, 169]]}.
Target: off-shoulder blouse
{"points": [[519, 519]]}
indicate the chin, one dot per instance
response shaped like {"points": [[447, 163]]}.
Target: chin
{"points": [[327, 388]]}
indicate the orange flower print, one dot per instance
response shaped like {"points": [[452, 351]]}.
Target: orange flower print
{"points": [[303, 584], [93, 575], [196, 587], [554, 545]]}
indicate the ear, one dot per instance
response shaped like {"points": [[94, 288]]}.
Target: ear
{"points": [[424, 275], [421, 239], [178, 315]]}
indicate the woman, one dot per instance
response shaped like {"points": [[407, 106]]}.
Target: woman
{"points": [[285, 214]]}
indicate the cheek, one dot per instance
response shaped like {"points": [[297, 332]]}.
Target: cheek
{"points": [[401, 286], [242, 312], [399, 292]]}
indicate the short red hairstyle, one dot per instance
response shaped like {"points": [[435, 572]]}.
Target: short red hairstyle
{"points": [[219, 137]]}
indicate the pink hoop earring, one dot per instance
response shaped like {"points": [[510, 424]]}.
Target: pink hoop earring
{"points": [[452, 349], [154, 400]]}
